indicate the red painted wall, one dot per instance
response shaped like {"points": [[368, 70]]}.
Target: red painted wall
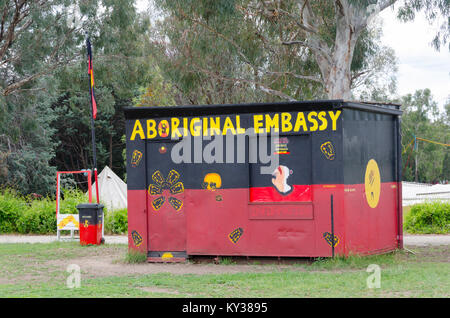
{"points": [[203, 225]]}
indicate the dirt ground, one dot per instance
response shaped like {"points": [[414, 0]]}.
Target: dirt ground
{"points": [[110, 262]]}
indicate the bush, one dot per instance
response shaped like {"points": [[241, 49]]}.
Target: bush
{"points": [[429, 218], [116, 222], [71, 199], [38, 216], [11, 206]]}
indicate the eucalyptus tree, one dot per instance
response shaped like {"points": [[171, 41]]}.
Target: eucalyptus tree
{"points": [[284, 48], [37, 37], [44, 104]]}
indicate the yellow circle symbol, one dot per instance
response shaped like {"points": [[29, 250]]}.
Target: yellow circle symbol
{"points": [[372, 183]]}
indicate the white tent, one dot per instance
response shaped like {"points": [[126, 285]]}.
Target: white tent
{"points": [[112, 190]]}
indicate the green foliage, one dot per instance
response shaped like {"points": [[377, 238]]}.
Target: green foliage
{"points": [[11, 206], [72, 197], [226, 261], [51, 111], [38, 218], [27, 147], [158, 92], [133, 257], [26, 214], [116, 222], [421, 118], [429, 218]]}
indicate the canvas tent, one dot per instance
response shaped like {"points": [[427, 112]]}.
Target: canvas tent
{"points": [[112, 190]]}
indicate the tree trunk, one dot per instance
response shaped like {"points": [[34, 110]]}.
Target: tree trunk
{"points": [[338, 81]]}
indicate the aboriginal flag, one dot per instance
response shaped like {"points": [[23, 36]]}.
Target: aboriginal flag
{"points": [[91, 79]]}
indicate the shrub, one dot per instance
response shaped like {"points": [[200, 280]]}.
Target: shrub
{"points": [[71, 199], [116, 222], [429, 218], [38, 218], [11, 206]]}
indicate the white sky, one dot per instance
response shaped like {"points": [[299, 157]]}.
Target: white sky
{"points": [[419, 64]]}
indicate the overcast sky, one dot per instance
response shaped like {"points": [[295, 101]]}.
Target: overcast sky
{"points": [[419, 64]]}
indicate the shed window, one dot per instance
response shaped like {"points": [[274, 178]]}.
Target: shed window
{"points": [[289, 180]]}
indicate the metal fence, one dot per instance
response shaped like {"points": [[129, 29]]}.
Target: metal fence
{"points": [[413, 193]]}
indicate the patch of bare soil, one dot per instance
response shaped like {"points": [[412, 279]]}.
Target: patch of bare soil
{"points": [[112, 265], [439, 254], [110, 262]]}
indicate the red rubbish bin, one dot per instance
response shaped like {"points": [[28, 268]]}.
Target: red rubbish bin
{"points": [[91, 222]]}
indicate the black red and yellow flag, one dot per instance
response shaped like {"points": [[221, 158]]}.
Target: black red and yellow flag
{"points": [[91, 79]]}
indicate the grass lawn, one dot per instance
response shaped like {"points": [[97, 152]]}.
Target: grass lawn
{"points": [[39, 270]]}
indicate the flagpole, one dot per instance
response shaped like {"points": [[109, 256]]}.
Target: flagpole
{"points": [[94, 152], [94, 148]]}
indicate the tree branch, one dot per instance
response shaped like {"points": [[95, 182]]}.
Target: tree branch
{"points": [[261, 86], [316, 48], [367, 15], [304, 77]]}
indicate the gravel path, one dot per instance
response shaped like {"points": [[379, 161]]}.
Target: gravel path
{"points": [[109, 239], [409, 240], [426, 239]]}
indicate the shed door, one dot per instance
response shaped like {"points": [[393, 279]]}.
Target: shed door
{"points": [[166, 217]]}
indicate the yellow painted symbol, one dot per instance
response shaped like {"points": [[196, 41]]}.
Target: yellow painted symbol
{"points": [[212, 181], [86, 223], [177, 188], [173, 177], [167, 255], [136, 158], [328, 150], [154, 189], [158, 203], [236, 235], [137, 238], [175, 203], [157, 177], [330, 240], [372, 182], [161, 184]]}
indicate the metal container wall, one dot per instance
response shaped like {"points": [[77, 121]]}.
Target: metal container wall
{"points": [[329, 151]]}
